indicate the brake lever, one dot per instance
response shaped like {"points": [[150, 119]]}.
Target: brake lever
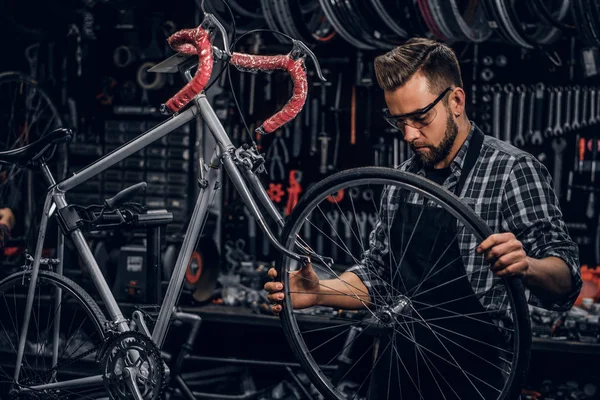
{"points": [[211, 22], [300, 50]]}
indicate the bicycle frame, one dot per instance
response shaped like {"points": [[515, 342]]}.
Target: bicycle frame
{"points": [[247, 184]]}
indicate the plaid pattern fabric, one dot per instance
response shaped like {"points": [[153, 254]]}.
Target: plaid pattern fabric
{"points": [[511, 191]]}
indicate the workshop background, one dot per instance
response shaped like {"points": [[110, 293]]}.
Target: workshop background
{"points": [[531, 74]]}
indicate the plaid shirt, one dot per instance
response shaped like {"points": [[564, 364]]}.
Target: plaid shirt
{"points": [[511, 191]]}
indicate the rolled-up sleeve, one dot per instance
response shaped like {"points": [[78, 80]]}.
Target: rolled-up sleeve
{"points": [[531, 211]]}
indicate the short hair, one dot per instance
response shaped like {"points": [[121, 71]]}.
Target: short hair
{"points": [[433, 59]]}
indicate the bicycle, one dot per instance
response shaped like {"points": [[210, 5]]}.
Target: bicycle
{"points": [[128, 351]]}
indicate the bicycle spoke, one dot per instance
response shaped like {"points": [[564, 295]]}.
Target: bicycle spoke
{"points": [[346, 346], [427, 325], [476, 295], [468, 315], [465, 336], [450, 354], [370, 372], [329, 340], [406, 249]]}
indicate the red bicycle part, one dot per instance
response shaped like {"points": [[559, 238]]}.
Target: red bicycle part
{"points": [[192, 42], [293, 190], [294, 67], [339, 196], [275, 192]]}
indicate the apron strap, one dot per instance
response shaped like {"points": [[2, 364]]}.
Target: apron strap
{"points": [[472, 154]]}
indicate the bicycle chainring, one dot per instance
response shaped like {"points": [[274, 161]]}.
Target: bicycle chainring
{"points": [[118, 353]]}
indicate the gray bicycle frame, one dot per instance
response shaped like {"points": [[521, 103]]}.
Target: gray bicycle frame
{"points": [[241, 177]]}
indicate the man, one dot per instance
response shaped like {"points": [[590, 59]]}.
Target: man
{"points": [[507, 187]]}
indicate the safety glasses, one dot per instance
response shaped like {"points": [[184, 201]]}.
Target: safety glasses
{"points": [[416, 119]]}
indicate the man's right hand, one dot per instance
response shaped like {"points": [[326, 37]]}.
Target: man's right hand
{"points": [[304, 289]]}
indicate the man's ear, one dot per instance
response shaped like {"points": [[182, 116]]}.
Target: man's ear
{"points": [[457, 102]]}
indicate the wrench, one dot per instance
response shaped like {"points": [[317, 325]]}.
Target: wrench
{"points": [[548, 130], [592, 120], [591, 206], [575, 124], [584, 116], [558, 145], [518, 140], [509, 90], [540, 91], [598, 107], [530, 114], [558, 130], [497, 90], [567, 124], [333, 217]]}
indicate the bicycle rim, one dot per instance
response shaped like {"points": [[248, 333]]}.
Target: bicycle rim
{"points": [[76, 319], [342, 351]]}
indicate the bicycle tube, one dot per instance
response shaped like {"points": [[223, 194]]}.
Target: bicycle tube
{"points": [[414, 19], [363, 27], [443, 22], [508, 19], [271, 20], [539, 8], [581, 22], [383, 176], [593, 19], [549, 34], [543, 35], [388, 19], [477, 30], [280, 14], [339, 27], [235, 6], [429, 21]]}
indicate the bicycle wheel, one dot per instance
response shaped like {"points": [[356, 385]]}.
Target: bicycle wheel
{"points": [[73, 316], [26, 114], [430, 327]]}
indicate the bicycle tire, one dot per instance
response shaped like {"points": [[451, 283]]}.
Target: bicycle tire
{"points": [[522, 332], [339, 27], [388, 19], [272, 21], [91, 308]]}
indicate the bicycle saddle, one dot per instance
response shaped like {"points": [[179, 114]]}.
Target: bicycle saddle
{"points": [[29, 154]]}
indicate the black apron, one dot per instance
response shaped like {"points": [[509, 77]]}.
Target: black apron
{"points": [[434, 260]]}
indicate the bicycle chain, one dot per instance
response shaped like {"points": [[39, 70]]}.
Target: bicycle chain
{"points": [[151, 349]]}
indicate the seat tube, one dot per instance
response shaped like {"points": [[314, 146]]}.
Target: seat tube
{"points": [[35, 269]]}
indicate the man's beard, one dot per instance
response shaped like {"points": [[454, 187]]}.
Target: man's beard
{"points": [[441, 151]]}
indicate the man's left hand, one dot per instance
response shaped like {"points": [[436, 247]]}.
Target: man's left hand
{"points": [[505, 254]]}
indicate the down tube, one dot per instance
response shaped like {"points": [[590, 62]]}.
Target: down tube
{"points": [[189, 242]]}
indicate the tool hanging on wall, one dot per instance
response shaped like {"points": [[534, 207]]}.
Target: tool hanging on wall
{"points": [[294, 189]]}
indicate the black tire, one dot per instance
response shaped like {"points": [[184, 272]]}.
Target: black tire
{"points": [[369, 175], [17, 284]]}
